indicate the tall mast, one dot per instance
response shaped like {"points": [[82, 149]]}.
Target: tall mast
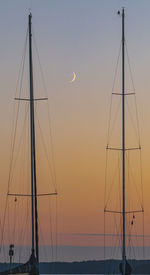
{"points": [[123, 147], [33, 157], [31, 129]]}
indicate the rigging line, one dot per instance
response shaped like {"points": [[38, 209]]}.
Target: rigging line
{"points": [[129, 248], [113, 245], [1, 223], [116, 201], [142, 204], [45, 150], [143, 237], [2, 233], [104, 211], [45, 89], [20, 76], [137, 119], [121, 234], [119, 182], [133, 249], [24, 228], [21, 64], [134, 181], [44, 145], [16, 121], [128, 161], [114, 120], [117, 232], [18, 149], [119, 193], [141, 178], [42, 239], [49, 116], [51, 231], [107, 198], [130, 227], [112, 184], [8, 217], [105, 194], [2, 229], [136, 239], [110, 193], [139, 200], [14, 229], [116, 69], [52, 147], [22, 180], [132, 120], [115, 218], [104, 242], [23, 232], [108, 134], [134, 91], [117, 240]]}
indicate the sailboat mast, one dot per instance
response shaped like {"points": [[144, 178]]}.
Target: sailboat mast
{"points": [[31, 130], [33, 157], [123, 147]]}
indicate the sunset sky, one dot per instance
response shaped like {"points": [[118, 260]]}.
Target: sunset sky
{"points": [[81, 36]]}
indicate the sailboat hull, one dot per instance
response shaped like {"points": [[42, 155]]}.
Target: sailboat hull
{"points": [[20, 273], [128, 268], [29, 268], [17, 273], [11, 272]]}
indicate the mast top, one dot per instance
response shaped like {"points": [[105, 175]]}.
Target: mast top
{"points": [[30, 16], [123, 11], [30, 24]]}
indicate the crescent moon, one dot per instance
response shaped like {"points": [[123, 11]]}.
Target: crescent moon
{"points": [[74, 77]]}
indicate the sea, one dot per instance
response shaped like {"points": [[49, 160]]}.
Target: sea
{"points": [[80, 253], [75, 253]]}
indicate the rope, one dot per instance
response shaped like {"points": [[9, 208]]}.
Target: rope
{"points": [[44, 145], [49, 116], [116, 69], [21, 71], [133, 124], [134, 92], [139, 200], [138, 130], [51, 232], [111, 186]]}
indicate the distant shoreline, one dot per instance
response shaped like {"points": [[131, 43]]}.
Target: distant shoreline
{"points": [[88, 267]]}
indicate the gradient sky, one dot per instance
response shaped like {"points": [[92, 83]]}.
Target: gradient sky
{"points": [[81, 36]]}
